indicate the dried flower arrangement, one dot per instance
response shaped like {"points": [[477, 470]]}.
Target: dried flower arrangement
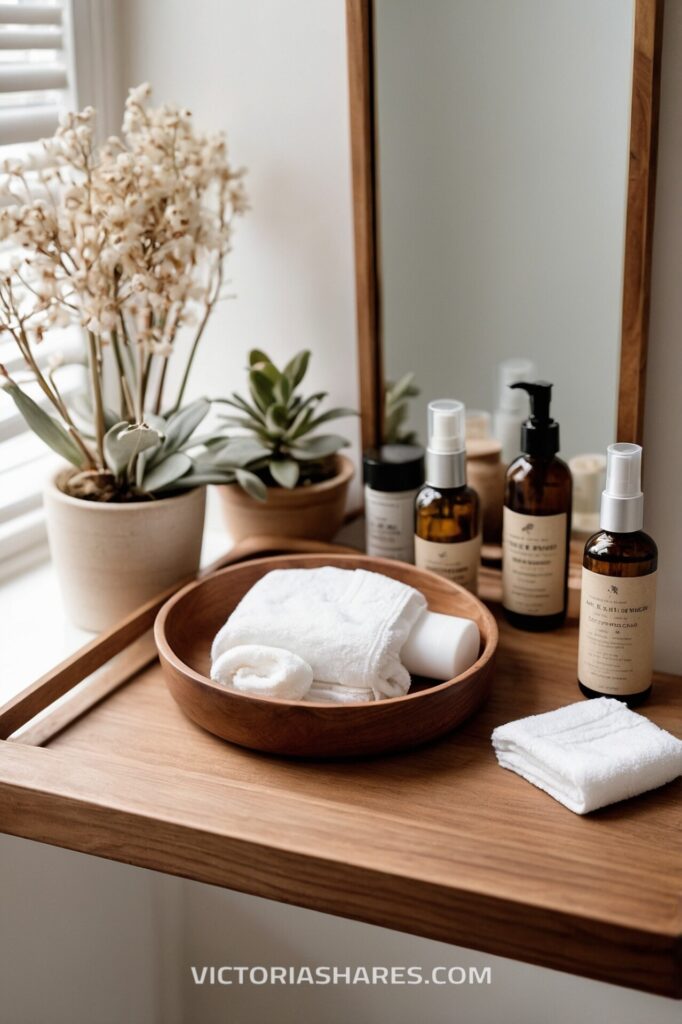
{"points": [[128, 239]]}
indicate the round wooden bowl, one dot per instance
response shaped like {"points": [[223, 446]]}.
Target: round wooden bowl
{"points": [[187, 623]]}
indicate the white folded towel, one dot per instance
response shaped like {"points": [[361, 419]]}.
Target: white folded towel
{"points": [[348, 625], [589, 754], [263, 671], [335, 693]]}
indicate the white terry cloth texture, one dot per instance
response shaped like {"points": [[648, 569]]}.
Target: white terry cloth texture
{"points": [[589, 754], [335, 693], [263, 671], [348, 624]]}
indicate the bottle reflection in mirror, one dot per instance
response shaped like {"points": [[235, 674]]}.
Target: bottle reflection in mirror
{"points": [[485, 473], [512, 404], [589, 473]]}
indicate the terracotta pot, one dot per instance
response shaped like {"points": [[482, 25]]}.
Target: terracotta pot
{"points": [[112, 558], [314, 511]]}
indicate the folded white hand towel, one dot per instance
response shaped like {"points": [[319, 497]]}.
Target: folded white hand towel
{"points": [[335, 693], [263, 671], [589, 754], [349, 625]]}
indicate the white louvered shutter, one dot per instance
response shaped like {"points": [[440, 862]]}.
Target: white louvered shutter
{"points": [[36, 86]]}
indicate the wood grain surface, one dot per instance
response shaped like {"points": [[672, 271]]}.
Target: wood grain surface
{"points": [[639, 225], [439, 841], [360, 29]]}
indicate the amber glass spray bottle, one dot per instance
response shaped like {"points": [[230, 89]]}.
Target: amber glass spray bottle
{"points": [[618, 596], [447, 518], [536, 525]]}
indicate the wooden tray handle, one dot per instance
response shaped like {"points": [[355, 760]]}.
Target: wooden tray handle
{"points": [[102, 648]]}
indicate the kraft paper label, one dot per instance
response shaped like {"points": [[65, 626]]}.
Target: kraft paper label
{"points": [[616, 648], [533, 562], [455, 561]]}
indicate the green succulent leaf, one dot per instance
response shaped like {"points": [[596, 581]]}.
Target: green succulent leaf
{"points": [[316, 447], [237, 402], [124, 441], [296, 369], [48, 429], [269, 370], [152, 419], [257, 355], [236, 452], [252, 484], [283, 389], [403, 388], [305, 413], [199, 478], [238, 421], [181, 425], [166, 473], [276, 419], [331, 414], [396, 411], [261, 389], [285, 471]]}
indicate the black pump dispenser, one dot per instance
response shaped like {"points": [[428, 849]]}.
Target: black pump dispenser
{"points": [[540, 433]]}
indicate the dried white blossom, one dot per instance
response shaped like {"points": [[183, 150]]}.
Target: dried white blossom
{"points": [[127, 237]]}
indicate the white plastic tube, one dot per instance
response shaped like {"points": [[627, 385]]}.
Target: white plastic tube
{"points": [[441, 646]]}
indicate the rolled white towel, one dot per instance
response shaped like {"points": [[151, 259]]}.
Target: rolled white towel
{"points": [[589, 754], [263, 671]]}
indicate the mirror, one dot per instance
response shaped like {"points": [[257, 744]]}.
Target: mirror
{"points": [[502, 135], [504, 177]]}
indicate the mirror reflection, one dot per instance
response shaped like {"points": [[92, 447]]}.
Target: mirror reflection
{"points": [[503, 138]]}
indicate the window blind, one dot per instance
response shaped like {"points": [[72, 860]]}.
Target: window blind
{"points": [[36, 86]]}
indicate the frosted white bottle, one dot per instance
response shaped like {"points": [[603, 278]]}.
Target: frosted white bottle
{"points": [[393, 475]]}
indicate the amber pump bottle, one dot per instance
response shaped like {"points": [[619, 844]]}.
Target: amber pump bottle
{"points": [[618, 596], [447, 518], [536, 524]]}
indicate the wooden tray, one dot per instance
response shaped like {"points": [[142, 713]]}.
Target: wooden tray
{"points": [[439, 842], [188, 622]]}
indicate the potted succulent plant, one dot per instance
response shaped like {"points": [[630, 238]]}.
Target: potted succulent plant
{"points": [[127, 240], [292, 482]]}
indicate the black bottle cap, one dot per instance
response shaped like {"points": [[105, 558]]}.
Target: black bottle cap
{"points": [[394, 467], [540, 433]]}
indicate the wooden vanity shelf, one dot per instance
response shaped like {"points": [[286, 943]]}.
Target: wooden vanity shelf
{"points": [[439, 842]]}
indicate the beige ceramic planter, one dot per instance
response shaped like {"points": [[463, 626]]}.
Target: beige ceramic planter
{"points": [[315, 511], [112, 558]]}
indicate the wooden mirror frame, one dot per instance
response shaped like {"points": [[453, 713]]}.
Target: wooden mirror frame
{"points": [[648, 33]]}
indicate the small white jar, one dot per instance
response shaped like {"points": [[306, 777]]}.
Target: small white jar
{"points": [[393, 474]]}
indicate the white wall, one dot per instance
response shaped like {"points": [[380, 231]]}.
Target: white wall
{"points": [[272, 75], [503, 153], [85, 941]]}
